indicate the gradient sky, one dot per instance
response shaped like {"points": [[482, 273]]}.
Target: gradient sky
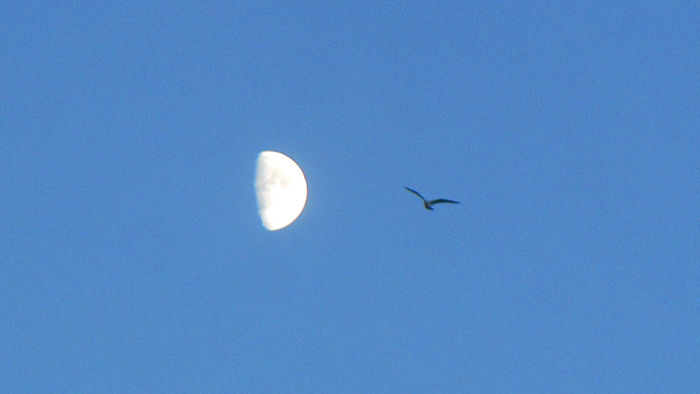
{"points": [[133, 260]]}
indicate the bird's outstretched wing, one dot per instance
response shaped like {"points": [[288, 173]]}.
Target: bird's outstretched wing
{"points": [[415, 192], [442, 200]]}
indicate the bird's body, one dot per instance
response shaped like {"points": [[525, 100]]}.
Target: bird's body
{"points": [[429, 204]]}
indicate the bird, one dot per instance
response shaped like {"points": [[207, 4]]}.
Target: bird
{"points": [[429, 204]]}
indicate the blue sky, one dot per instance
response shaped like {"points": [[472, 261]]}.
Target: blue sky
{"points": [[133, 259]]}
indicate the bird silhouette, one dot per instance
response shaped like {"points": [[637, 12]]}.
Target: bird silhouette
{"points": [[429, 204]]}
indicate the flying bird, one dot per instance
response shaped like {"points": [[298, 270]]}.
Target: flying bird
{"points": [[429, 204]]}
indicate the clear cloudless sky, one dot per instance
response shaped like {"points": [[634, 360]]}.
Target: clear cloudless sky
{"points": [[132, 258]]}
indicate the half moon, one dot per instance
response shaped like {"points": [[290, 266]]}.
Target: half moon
{"points": [[281, 190]]}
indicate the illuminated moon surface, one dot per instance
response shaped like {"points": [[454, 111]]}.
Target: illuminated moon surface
{"points": [[281, 190]]}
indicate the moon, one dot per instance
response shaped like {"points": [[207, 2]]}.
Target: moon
{"points": [[280, 187]]}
